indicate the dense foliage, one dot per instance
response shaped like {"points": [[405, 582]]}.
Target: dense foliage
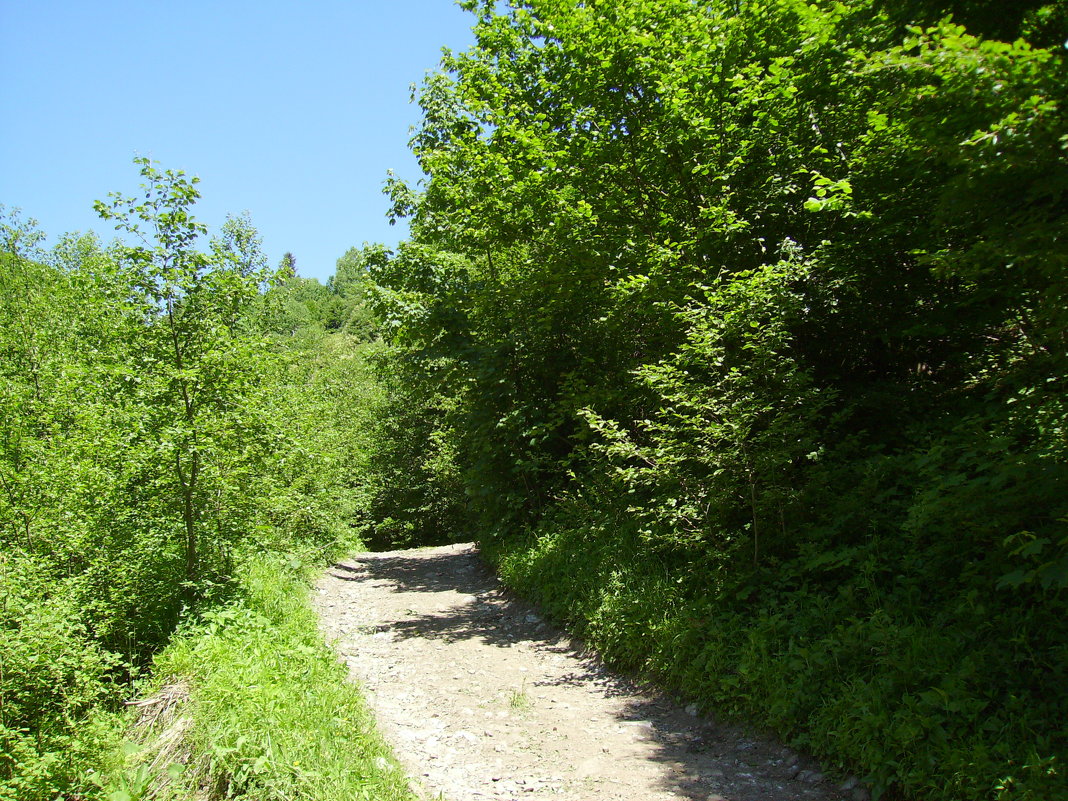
{"points": [[167, 404], [736, 331]]}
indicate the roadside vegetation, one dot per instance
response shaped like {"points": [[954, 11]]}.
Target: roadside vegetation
{"points": [[258, 704], [180, 442], [735, 333]]}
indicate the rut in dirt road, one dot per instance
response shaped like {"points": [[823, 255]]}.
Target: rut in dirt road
{"points": [[482, 699]]}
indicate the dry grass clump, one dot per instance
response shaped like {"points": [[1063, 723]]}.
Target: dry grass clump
{"points": [[161, 730]]}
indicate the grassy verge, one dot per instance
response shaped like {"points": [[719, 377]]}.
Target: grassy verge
{"points": [[251, 703]]}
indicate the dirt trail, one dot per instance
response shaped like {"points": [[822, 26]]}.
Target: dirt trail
{"points": [[484, 700]]}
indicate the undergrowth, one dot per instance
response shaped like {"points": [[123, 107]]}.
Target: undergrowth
{"points": [[921, 700], [58, 693], [269, 712]]}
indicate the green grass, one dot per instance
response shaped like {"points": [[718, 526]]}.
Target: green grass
{"points": [[272, 715], [518, 700]]}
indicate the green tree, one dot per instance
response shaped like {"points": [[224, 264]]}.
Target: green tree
{"points": [[349, 285], [288, 266], [198, 363], [769, 298], [148, 431]]}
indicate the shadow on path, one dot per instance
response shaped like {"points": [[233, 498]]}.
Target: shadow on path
{"points": [[701, 758]]}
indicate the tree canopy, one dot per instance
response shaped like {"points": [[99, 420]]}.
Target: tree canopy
{"points": [[761, 307]]}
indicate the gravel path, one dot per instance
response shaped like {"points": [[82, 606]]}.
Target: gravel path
{"points": [[482, 699]]}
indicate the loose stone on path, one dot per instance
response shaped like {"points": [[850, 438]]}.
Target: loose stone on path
{"points": [[482, 699]]}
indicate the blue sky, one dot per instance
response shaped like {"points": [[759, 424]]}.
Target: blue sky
{"points": [[292, 111]]}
